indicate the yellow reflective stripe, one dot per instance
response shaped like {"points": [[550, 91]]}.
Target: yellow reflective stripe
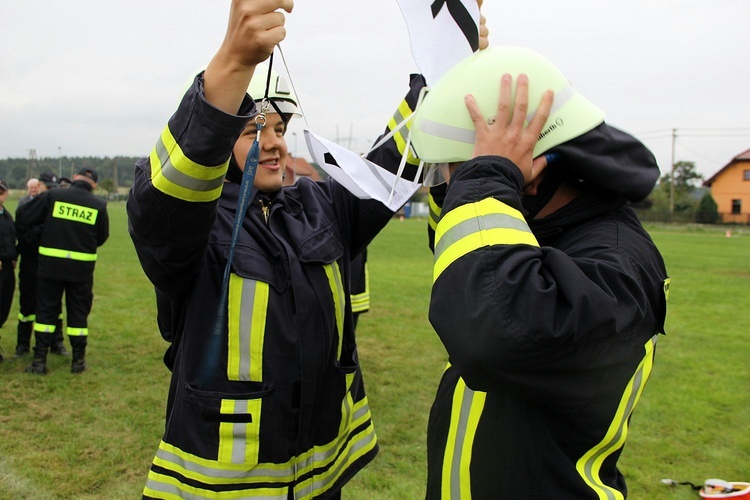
{"points": [[212, 472], [339, 300], [239, 442], [76, 213], [667, 282], [67, 254], [476, 225], [466, 412], [26, 319], [333, 458], [402, 112], [434, 212], [361, 301], [173, 173], [168, 488], [41, 327], [589, 465], [248, 310], [77, 331], [356, 448]]}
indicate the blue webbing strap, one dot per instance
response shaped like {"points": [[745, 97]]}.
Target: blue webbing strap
{"points": [[243, 203]]}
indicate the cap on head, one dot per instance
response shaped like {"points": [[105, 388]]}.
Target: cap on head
{"points": [[3, 186], [48, 179], [279, 90], [443, 131], [90, 173]]}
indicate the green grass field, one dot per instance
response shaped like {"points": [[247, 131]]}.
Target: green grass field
{"points": [[93, 435]]}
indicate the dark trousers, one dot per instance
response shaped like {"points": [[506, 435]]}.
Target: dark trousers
{"points": [[7, 289], [27, 281], [78, 300]]}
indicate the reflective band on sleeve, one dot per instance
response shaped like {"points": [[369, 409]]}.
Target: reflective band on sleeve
{"points": [[476, 225], [26, 319], [76, 213], [248, 306], [339, 300], [175, 174], [666, 288], [361, 301], [434, 212], [465, 414], [402, 113], [589, 465], [67, 254]]}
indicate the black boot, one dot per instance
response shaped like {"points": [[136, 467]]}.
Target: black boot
{"points": [[58, 343], [24, 338], [78, 343], [39, 364]]}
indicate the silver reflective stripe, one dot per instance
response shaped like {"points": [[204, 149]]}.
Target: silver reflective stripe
{"points": [[246, 328], [448, 132], [614, 440], [459, 134], [562, 97], [239, 432], [477, 224], [282, 474], [173, 175], [332, 474], [463, 424], [169, 489]]}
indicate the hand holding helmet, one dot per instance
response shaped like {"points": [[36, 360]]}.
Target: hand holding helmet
{"points": [[255, 27], [506, 134]]}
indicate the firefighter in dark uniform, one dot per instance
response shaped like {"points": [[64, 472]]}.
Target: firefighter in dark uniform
{"points": [[7, 257], [75, 224], [28, 253], [563, 294], [267, 398]]}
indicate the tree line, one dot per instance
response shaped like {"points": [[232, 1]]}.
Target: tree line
{"points": [[115, 174], [689, 201]]}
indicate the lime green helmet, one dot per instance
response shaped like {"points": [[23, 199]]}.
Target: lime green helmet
{"points": [[443, 131], [279, 91]]}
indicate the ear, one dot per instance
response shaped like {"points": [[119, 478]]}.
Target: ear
{"points": [[530, 189]]}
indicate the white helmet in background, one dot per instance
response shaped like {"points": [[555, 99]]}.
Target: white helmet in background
{"points": [[443, 131], [279, 91]]}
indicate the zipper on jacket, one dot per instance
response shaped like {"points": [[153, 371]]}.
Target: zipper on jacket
{"points": [[266, 209]]}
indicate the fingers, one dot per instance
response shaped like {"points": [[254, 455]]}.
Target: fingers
{"points": [[503, 106], [475, 113], [522, 101], [542, 113], [484, 33]]}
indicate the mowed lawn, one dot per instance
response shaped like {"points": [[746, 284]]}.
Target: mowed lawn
{"points": [[93, 435]]}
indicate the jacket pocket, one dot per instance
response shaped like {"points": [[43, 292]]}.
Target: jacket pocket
{"points": [[230, 421]]}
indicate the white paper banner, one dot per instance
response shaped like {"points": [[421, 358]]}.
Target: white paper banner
{"points": [[363, 178], [442, 33]]}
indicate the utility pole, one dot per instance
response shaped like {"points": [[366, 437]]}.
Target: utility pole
{"points": [[671, 174], [59, 161], [115, 175], [31, 171]]}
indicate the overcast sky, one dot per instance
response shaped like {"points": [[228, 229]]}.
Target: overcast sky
{"points": [[100, 78]]}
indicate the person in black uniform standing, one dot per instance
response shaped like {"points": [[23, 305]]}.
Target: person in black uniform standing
{"points": [[28, 253], [75, 225], [7, 257], [563, 294]]}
